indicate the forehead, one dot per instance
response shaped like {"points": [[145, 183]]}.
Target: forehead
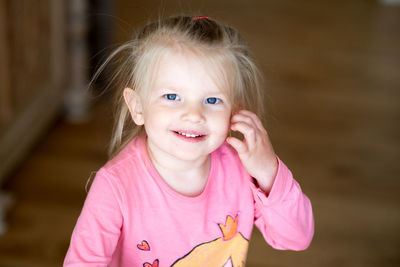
{"points": [[197, 69]]}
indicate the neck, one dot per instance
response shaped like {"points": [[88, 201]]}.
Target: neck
{"points": [[187, 177]]}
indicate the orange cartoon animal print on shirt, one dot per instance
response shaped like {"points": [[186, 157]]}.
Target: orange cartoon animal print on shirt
{"points": [[228, 250]]}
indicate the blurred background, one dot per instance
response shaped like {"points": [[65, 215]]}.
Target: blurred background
{"points": [[332, 73]]}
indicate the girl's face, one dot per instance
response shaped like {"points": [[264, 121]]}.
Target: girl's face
{"points": [[186, 116]]}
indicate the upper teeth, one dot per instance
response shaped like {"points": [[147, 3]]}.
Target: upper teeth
{"points": [[189, 135]]}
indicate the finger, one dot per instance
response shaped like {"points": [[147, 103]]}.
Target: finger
{"points": [[248, 131], [238, 145], [242, 117], [237, 118], [256, 120]]}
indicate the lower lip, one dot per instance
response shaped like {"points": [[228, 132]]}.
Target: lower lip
{"points": [[190, 139]]}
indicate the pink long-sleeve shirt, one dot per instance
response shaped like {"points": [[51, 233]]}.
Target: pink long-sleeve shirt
{"points": [[131, 217]]}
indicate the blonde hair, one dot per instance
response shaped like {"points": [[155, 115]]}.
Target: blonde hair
{"points": [[212, 42]]}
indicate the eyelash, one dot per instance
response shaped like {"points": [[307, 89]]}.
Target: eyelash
{"points": [[171, 97], [175, 97], [217, 100]]}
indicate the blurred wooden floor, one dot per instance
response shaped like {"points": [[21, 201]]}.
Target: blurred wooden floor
{"points": [[333, 79]]}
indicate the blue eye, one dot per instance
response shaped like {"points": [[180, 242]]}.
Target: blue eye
{"points": [[212, 100], [171, 96]]}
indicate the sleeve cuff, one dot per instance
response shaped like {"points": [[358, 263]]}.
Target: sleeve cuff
{"points": [[283, 175]]}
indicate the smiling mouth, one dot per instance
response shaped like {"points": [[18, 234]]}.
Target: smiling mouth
{"points": [[189, 135]]}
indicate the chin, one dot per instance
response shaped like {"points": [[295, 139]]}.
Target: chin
{"points": [[189, 156]]}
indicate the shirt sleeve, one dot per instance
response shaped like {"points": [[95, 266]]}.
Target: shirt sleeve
{"points": [[284, 216], [98, 228]]}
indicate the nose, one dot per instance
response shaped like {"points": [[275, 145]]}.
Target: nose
{"points": [[193, 113]]}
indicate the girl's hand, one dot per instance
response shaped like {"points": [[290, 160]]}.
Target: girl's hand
{"points": [[255, 151]]}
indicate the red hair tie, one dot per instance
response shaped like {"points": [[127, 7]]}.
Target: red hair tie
{"points": [[196, 18]]}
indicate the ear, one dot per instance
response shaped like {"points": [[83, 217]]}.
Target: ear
{"points": [[134, 103]]}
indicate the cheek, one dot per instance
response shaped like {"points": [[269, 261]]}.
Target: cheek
{"points": [[154, 115], [222, 121]]}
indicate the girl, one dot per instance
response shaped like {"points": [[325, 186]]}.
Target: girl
{"points": [[178, 190]]}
